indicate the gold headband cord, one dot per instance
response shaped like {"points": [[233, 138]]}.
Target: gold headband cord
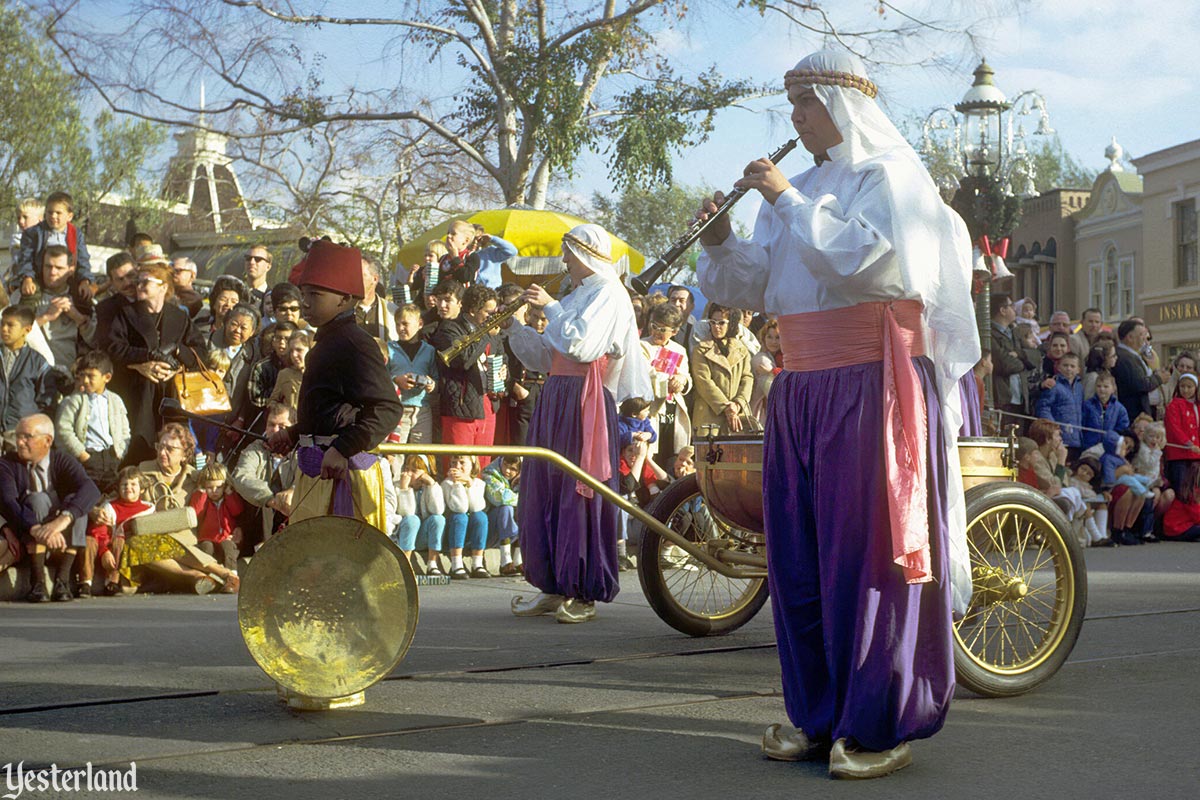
{"points": [[569, 239], [807, 77]]}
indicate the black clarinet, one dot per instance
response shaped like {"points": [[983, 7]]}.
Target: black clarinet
{"points": [[649, 276]]}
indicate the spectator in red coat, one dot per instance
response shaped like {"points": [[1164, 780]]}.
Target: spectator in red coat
{"points": [[217, 508], [1181, 523], [1183, 430]]}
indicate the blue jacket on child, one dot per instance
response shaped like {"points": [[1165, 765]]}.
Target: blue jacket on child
{"points": [[1110, 418], [1063, 403], [1110, 462], [628, 426], [33, 243]]}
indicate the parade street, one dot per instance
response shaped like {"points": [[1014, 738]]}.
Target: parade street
{"points": [[488, 705]]}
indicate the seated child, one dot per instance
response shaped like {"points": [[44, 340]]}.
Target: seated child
{"points": [[287, 384], [500, 481], [1148, 465], [106, 531], [1086, 478], [1128, 497], [217, 508], [1043, 465], [465, 516], [684, 463], [1182, 520], [421, 506], [99, 441]]}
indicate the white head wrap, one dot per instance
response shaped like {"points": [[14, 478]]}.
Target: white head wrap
{"points": [[935, 256], [592, 245]]}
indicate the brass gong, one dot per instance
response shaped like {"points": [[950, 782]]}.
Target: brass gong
{"points": [[327, 607]]}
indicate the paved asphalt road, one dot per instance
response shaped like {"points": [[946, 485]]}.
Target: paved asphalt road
{"points": [[490, 706]]}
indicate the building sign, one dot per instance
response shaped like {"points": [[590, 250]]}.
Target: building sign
{"points": [[1186, 310]]}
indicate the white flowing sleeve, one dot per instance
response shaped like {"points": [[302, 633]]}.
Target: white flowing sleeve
{"points": [[834, 243], [432, 502], [734, 273], [586, 331], [530, 346]]}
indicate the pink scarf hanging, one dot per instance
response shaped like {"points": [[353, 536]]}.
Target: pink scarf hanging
{"points": [[594, 458]]}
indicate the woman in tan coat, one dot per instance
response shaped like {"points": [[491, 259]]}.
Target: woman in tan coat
{"points": [[721, 373]]}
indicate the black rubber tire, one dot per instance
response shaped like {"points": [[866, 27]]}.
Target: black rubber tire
{"points": [[977, 667], [658, 586]]}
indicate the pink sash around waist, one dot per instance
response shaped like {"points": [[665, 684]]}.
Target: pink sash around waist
{"points": [[892, 333], [594, 456]]}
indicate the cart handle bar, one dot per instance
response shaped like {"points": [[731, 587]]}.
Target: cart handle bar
{"points": [[572, 469]]}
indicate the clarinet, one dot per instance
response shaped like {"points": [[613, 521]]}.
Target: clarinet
{"points": [[648, 277]]}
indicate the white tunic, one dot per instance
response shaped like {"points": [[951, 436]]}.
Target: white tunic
{"points": [[594, 320]]}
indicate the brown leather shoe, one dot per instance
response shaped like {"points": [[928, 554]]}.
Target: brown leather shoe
{"points": [[791, 746], [851, 763]]}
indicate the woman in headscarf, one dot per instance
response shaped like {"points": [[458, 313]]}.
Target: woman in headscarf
{"points": [[591, 350], [869, 274]]}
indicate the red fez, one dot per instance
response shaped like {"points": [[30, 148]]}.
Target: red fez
{"points": [[333, 267]]}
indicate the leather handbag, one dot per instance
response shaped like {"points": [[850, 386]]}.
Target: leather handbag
{"points": [[201, 391]]}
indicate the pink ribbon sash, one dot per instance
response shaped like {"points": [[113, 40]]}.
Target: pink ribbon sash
{"points": [[892, 333], [594, 458]]}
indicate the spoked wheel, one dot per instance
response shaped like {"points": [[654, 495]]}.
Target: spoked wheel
{"points": [[686, 594], [1029, 595]]}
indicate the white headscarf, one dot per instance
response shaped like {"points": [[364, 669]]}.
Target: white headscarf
{"points": [[935, 257], [592, 245]]}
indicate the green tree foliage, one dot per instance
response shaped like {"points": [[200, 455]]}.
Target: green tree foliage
{"points": [[47, 143]]}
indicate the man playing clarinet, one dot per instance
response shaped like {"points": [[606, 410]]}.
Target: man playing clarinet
{"points": [[868, 272]]}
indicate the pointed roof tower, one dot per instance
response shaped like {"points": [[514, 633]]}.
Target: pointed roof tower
{"points": [[200, 176]]}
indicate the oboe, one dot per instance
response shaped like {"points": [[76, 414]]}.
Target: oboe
{"points": [[649, 276]]}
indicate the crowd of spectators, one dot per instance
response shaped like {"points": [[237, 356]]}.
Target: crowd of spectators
{"points": [[1107, 431], [97, 354]]}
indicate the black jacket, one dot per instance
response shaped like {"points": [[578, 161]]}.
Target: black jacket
{"points": [[1133, 384], [68, 482], [462, 390], [347, 391], [137, 336]]}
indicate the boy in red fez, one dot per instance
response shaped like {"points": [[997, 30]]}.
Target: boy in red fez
{"points": [[347, 402]]}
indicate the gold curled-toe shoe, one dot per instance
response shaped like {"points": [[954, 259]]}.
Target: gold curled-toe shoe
{"points": [[791, 746], [850, 763], [573, 611], [537, 605]]}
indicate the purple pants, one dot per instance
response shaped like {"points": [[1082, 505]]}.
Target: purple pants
{"points": [[568, 541], [864, 655], [968, 393]]}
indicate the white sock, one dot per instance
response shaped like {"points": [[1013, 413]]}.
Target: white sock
{"points": [[505, 553], [477, 561], [1093, 533], [621, 547], [456, 562], [1101, 519], [517, 557]]}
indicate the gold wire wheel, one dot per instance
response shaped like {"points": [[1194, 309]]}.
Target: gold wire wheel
{"points": [[1029, 591], [683, 591]]}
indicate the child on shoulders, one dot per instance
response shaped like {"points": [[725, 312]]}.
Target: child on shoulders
{"points": [[55, 228]]}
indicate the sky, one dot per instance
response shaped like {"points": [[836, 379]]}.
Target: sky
{"points": [[1123, 68]]}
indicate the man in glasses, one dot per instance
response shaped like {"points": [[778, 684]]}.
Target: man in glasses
{"points": [[184, 272], [258, 264]]}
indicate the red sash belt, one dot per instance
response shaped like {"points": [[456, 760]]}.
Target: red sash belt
{"points": [[594, 457], [892, 333]]}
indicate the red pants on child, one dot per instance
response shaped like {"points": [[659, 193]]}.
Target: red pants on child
{"points": [[456, 430]]}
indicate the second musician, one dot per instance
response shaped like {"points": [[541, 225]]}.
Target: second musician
{"points": [[591, 350]]}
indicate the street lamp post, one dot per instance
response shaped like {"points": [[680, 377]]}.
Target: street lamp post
{"points": [[993, 159]]}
